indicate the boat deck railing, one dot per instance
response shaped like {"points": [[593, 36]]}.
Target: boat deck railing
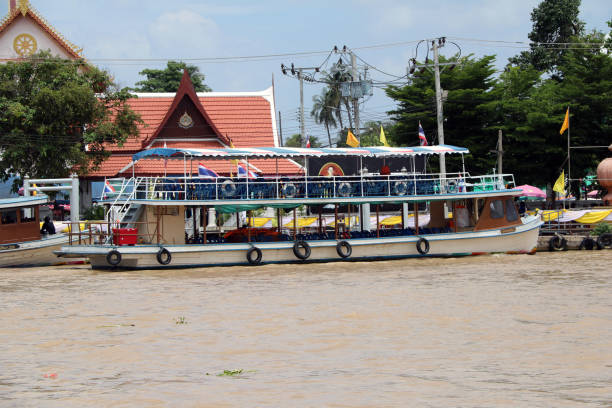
{"points": [[310, 187]]}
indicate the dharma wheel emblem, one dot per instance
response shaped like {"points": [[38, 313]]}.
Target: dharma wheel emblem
{"points": [[25, 45], [185, 121]]}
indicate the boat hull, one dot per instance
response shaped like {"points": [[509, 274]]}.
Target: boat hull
{"points": [[35, 253], [522, 239]]}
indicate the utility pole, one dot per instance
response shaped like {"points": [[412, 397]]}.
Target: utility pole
{"points": [[298, 72], [280, 128], [355, 76], [500, 152], [439, 103], [302, 122], [436, 44]]}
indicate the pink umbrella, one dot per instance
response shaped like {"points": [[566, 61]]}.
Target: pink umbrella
{"points": [[531, 191]]}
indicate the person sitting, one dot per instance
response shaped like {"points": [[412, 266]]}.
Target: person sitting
{"points": [[48, 227]]}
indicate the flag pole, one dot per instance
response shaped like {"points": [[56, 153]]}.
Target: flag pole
{"points": [[569, 164]]}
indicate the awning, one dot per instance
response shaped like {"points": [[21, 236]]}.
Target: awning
{"points": [[289, 152]]}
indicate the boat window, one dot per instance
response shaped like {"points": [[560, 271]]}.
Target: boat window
{"points": [[27, 215], [9, 216], [511, 213], [497, 209]]}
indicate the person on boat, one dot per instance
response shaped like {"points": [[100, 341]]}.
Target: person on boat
{"points": [[48, 227], [385, 170]]}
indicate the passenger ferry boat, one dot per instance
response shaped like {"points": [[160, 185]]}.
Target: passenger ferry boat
{"points": [[459, 214], [21, 243]]}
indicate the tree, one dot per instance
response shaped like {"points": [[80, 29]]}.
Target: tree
{"points": [[323, 111], [57, 116], [168, 79], [467, 114], [555, 23], [296, 140], [371, 136]]}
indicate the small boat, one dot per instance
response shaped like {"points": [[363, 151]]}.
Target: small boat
{"points": [[465, 215], [21, 243]]}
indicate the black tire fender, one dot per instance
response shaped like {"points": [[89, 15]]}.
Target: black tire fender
{"points": [[557, 243], [301, 245], [587, 243], [257, 259], [113, 257], [344, 249], [604, 240], [164, 257], [419, 246]]}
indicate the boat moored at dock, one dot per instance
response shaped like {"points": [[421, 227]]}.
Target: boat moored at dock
{"points": [[461, 214]]}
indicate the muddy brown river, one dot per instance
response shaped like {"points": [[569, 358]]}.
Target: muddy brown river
{"points": [[488, 331]]}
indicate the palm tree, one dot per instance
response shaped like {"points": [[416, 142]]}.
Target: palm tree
{"points": [[323, 110], [333, 83]]}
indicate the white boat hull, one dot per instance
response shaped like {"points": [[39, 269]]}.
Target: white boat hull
{"points": [[35, 253], [520, 239]]}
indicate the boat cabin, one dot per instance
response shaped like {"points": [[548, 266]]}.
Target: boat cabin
{"points": [[19, 219]]}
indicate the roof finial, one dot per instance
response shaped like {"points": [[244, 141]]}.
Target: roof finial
{"points": [[23, 5]]}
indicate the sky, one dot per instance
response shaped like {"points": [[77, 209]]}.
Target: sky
{"points": [[382, 33]]}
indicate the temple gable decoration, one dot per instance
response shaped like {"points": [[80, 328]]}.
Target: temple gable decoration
{"points": [[24, 32], [186, 119]]}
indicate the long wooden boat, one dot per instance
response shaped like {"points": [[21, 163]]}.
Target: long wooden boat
{"points": [[466, 215], [21, 243]]}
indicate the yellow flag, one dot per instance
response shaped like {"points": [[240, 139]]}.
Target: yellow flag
{"points": [[235, 161], [383, 138], [565, 122], [559, 186], [351, 140]]}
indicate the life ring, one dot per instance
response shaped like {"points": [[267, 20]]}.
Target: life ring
{"points": [[257, 259], [557, 243], [604, 240], [113, 257], [164, 257], [400, 188], [228, 188], [451, 186], [289, 190], [419, 246], [344, 189], [344, 249], [297, 250]]}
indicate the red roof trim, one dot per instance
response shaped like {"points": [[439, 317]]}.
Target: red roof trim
{"points": [[185, 89]]}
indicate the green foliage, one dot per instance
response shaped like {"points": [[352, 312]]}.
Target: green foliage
{"points": [[180, 320], [324, 110], [554, 21], [296, 140], [95, 212], [467, 110], [230, 373], [602, 228], [371, 136], [50, 109], [169, 79]]}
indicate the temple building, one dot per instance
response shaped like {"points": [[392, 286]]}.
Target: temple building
{"points": [[23, 32], [206, 120]]}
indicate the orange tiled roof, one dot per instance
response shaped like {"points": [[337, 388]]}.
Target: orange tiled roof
{"points": [[158, 167]]}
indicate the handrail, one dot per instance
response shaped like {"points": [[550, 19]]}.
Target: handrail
{"points": [[311, 187]]}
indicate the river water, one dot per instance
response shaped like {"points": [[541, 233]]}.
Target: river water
{"points": [[488, 331]]}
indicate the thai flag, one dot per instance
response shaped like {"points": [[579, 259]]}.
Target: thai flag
{"points": [[108, 188], [307, 140], [242, 172], [422, 138], [205, 172]]}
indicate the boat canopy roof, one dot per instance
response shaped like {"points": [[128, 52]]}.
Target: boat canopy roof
{"points": [[288, 152], [17, 202]]}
